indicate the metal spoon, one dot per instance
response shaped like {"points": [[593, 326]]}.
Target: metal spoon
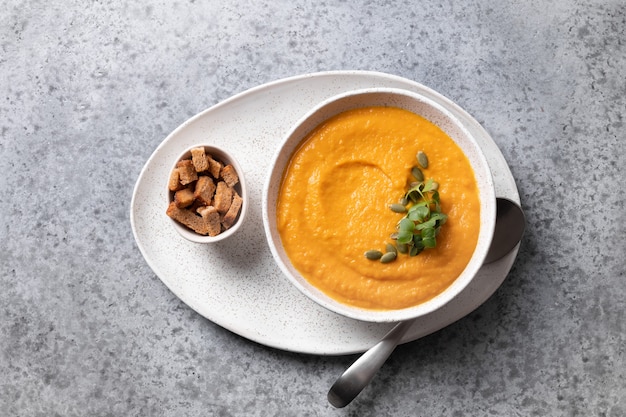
{"points": [[510, 224]]}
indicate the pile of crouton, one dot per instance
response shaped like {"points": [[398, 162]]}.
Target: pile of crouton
{"points": [[204, 198]]}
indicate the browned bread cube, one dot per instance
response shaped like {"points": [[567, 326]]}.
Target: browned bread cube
{"points": [[212, 219], [187, 172], [198, 158], [230, 175], [183, 198], [205, 189], [174, 182], [223, 197], [231, 215], [188, 218], [215, 167]]}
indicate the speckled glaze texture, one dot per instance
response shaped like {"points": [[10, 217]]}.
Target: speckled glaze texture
{"points": [[90, 90]]}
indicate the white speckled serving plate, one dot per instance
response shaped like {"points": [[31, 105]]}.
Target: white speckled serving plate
{"points": [[235, 283]]}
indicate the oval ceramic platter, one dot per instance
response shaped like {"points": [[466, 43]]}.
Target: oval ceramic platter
{"points": [[235, 283]]}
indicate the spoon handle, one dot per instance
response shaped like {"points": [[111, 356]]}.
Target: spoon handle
{"points": [[361, 372]]}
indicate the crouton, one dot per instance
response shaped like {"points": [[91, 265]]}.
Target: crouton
{"points": [[231, 215], [174, 182], [186, 171], [183, 198], [223, 197], [211, 217], [188, 218], [215, 167], [230, 175], [205, 189], [198, 158]]}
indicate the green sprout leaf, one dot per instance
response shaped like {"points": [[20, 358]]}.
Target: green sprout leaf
{"points": [[419, 212], [406, 225], [428, 224], [428, 237], [428, 186], [405, 237]]}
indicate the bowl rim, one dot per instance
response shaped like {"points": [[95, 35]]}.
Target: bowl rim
{"points": [[487, 191], [225, 158]]}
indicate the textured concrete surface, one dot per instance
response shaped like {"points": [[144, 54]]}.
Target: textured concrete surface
{"points": [[89, 89]]}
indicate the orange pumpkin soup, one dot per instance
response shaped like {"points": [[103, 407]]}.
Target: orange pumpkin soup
{"points": [[334, 199]]}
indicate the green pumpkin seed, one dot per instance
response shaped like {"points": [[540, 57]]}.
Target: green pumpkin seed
{"points": [[391, 248], [373, 255], [417, 173], [388, 257], [422, 159], [404, 201], [403, 248], [397, 208]]}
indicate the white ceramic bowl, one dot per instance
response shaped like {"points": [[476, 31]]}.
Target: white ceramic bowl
{"points": [[417, 104], [225, 158]]}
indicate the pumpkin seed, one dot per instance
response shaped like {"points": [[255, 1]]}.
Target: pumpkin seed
{"points": [[373, 255], [434, 186], [388, 257], [417, 173], [403, 248], [394, 236], [404, 201], [414, 251], [397, 208], [391, 248], [422, 159]]}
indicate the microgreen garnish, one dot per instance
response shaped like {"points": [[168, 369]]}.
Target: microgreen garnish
{"points": [[422, 220]]}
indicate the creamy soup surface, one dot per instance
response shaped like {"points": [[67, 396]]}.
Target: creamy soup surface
{"points": [[334, 202]]}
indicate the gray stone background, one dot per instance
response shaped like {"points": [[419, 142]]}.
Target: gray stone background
{"points": [[90, 88]]}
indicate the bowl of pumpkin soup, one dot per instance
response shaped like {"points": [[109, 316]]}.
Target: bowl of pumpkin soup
{"points": [[379, 205]]}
